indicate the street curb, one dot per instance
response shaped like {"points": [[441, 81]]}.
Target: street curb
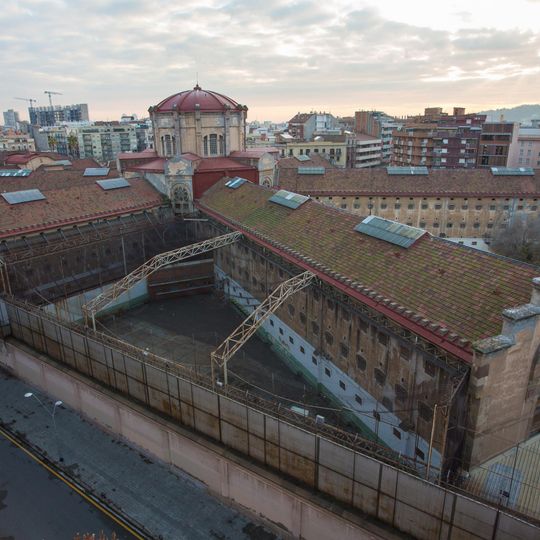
{"points": [[99, 501]]}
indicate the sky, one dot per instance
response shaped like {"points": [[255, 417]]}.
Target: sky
{"points": [[278, 57]]}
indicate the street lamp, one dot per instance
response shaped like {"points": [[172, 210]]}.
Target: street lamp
{"points": [[51, 413]]}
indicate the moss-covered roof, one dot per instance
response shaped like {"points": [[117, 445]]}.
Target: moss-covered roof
{"points": [[458, 288]]}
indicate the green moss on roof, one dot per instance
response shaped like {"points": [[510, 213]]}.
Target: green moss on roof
{"points": [[462, 289]]}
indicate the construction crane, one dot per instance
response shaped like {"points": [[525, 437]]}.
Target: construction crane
{"points": [[30, 101], [50, 94]]}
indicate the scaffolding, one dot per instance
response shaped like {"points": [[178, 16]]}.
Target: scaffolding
{"points": [[92, 308], [254, 321]]}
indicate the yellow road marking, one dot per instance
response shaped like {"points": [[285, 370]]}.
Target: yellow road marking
{"points": [[70, 484]]}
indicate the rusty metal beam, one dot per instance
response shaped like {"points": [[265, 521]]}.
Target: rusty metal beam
{"points": [[149, 267], [240, 335], [4, 277]]}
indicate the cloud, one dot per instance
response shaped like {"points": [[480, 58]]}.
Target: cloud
{"points": [[125, 55]]}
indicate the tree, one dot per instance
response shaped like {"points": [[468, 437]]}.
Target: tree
{"points": [[51, 139], [73, 145], [518, 239]]}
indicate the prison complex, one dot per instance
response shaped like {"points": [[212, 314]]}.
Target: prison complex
{"points": [[428, 347], [465, 205]]}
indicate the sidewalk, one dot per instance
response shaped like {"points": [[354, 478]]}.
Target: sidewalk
{"points": [[167, 502]]}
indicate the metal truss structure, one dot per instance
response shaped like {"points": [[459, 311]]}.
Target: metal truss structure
{"points": [[238, 337], [149, 267]]}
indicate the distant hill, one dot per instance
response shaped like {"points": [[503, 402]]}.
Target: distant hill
{"points": [[521, 113]]}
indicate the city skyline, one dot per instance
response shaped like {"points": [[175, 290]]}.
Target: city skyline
{"points": [[122, 57]]}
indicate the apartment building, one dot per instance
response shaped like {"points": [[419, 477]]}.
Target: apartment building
{"points": [[50, 116], [103, 141], [432, 146], [495, 142], [363, 151], [333, 148], [11, 119], [306, 126], [11, 141], [525, 151], [463, 205], [378, 125]]}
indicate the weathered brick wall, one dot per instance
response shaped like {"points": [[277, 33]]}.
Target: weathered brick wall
{"points": [[397, 373]]}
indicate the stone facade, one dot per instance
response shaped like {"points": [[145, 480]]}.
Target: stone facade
{"points": [[384, 375], [447, 217], [207, 134], [504, 389]]}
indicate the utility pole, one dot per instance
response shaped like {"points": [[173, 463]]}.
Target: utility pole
{"points": [[431, 440]]}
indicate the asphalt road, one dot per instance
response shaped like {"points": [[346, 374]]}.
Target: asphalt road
{"points": [[34, 504]]}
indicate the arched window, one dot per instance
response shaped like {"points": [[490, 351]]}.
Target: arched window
{"points": [[205, 144], [168, 145], [213, 144], [221, 151], [174, 145]]}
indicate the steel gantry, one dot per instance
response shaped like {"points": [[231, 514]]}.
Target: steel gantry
{"points": [[238, 337], [101, 301]]}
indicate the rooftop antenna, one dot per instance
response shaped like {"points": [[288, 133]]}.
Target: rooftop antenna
{"points": [[50, 94]]}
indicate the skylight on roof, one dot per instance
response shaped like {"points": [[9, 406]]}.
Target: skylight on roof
{"points": [[303, 157], [390, 231], [235, 182], [28, 195], [311, 170], [288, 199], [512, 171], [113, 183], [15, 172], [96, 171], [407, 170]]}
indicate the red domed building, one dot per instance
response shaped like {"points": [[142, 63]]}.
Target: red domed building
{"points": [[198, 121], [199, 137]]}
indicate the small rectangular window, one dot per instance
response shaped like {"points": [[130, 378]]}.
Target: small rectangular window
{"points": [[327, 372], [291, 340], [281, 331], [271, 322], [420, 454], [358, 399], [342, 385], [313, 360], [397, 433]]}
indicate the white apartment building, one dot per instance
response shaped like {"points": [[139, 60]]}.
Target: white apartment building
{"points": [[363, 151], [525, 151], [103, 141], [11, 141]]}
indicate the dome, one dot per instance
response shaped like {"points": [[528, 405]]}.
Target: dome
{"points": [[197, 99]]}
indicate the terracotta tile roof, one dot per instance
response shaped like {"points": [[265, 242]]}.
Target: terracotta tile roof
{"points": [[70, 199], [300, 118], [254, 152], [147, 153], [315, 160], [191, 156], [460, 289], [220, 163], [81, 164], [155, 165], [376, 181]]}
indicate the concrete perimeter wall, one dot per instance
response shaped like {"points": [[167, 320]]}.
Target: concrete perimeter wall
{"points": [[400, 499]]}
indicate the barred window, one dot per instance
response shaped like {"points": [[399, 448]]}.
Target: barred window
{"points": [[213, 145]]}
